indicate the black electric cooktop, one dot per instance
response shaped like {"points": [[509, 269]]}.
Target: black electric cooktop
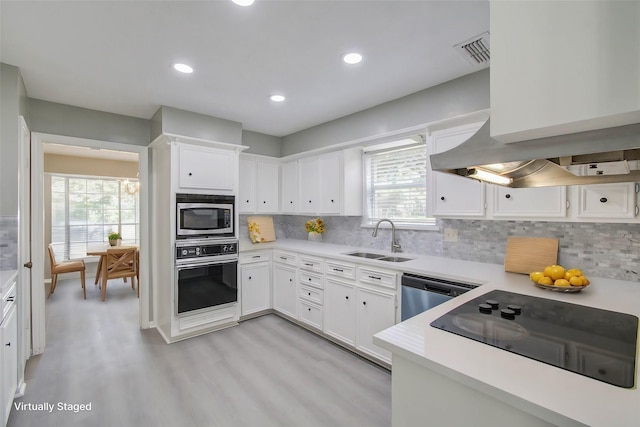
{"points": [[599, 344]]}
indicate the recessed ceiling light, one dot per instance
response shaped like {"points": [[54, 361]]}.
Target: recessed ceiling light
{"points": [[277, 98], [243, 2], [352, 58], [183, 68]]}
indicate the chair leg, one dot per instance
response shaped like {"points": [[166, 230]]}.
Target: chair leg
{"points": [[84, 287], [54, 280]]}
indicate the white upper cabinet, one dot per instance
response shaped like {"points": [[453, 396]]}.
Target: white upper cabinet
{"points": [[259, 185], [608, 200], [204, 168], [530, 202], [247, 185], [330, 183], [559, 67], [289, 195], [309, 185], [455, 195]]}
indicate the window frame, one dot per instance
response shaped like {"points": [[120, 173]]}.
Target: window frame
{"points": [[429, 222], [62, 255]]}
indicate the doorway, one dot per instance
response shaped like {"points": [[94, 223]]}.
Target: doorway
{"points": [[94, 148]]}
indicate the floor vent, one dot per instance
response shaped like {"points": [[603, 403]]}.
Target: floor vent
{"points": [[476, 49]]}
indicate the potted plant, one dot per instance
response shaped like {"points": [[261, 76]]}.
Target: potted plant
{"points": [[114, 237], [315, 228]]}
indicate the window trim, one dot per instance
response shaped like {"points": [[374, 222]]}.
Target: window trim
{"points": [[403, 142]]}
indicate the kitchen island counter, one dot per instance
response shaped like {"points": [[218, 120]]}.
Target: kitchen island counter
{"points": [[498, 387]]}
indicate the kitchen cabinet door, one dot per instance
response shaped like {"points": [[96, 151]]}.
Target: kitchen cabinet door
{"points": [[284, 290], [330, 166], [247, 187], [529, 202], [204, 168], [309, 185], [340, 311], [608, 200], [255, 284], [289, 187], [375, 312], [455, 195], [268, 187], [9, 335]]}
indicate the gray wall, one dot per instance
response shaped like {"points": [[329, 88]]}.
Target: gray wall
{"points": [[13, 103], [187, 123], [61, 119], [259, 143], [457, 97]]}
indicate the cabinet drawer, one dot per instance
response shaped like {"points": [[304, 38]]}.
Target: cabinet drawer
{"points": [[251, 257], [311, 294], [386, 279], [346, 271], [285, 258], [311, 279], [311, 264], [310, 314]]}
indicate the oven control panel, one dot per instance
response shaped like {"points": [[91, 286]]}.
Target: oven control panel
{"points": [[194, 249]]}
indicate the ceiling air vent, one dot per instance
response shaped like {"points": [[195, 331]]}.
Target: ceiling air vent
{"points": [[476, 49]]}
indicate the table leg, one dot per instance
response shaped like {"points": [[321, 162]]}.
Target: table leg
{"points": [[104, 280], [99, 270]]}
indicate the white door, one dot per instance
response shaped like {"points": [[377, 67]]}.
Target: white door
{"points": [[340, 311], [375, 313], [24, 242]]}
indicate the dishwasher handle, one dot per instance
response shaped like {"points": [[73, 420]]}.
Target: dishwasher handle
{"points": [[436, 285]]}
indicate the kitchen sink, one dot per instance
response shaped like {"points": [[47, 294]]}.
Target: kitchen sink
{"points": [[394, 259], [366, 255], [379, 257]]}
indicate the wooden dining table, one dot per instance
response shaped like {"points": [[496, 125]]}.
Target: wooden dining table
{"points": [[100, 249]]}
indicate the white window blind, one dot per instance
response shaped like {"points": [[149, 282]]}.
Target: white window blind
{"points": [[84, 210], [396, 185]]}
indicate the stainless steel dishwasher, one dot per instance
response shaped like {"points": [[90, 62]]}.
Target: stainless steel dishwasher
{"points": [[420, 293]]}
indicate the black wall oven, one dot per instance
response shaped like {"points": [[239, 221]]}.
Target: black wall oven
{"points": [[203, 215], [206, 275]]}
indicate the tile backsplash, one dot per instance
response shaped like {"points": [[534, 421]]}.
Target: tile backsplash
{"points": [[8, 242], [599, 249]]}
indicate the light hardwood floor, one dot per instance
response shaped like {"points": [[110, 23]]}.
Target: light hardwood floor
{"points": [[264, 372]]}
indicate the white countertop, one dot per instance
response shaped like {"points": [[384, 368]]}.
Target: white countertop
{"points": [[559, 396]]}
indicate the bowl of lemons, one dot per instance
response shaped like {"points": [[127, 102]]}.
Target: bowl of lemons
{"points": [[557, 278]]}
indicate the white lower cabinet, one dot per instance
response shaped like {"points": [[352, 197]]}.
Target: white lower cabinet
{"points": [[255, 286], [9, 334], [340, 309], [375, 312], [285, 290]]}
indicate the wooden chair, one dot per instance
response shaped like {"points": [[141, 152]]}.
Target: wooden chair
{"points": [[65, 267], [120, 264]]}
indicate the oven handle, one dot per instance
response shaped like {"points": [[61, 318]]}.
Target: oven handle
{"points": [[191, 264]]}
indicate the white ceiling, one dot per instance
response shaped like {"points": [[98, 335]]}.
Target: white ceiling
{"points": [[116, 56]]}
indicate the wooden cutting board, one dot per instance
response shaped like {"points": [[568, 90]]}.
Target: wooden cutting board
{"points": [[528, 254]]}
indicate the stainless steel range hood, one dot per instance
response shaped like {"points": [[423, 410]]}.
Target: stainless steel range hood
{"points": [[592, 157]]}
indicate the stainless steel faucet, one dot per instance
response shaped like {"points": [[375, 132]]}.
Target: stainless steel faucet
{"points": [[395, 246]]}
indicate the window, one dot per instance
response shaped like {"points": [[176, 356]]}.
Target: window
{"points": [[396, 184], [84, 210]]}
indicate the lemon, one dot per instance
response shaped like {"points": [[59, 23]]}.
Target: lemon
{"points": [[561, 282], [575, 271], [547, 281], [536, 276], [568, 275], [557, 272], [575, 281], [585, 281], [547, 271]]}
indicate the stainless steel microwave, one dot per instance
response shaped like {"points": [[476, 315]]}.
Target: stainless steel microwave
{"points": [[199, 215]]}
